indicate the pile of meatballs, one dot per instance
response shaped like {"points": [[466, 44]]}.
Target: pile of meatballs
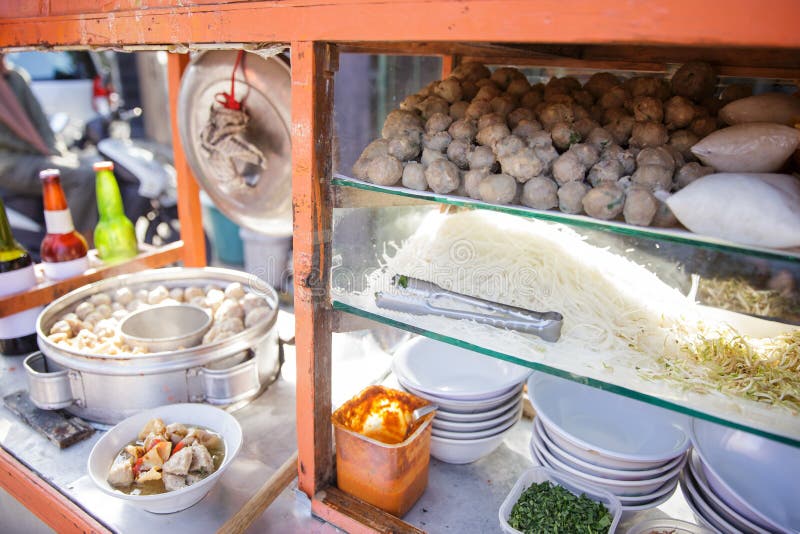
{"points": [[605, 148], [92, 327]]}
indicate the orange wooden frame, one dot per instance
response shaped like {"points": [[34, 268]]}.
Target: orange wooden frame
{"points": [[754, 23], [57, 511], [189, 210], [313, 27]]}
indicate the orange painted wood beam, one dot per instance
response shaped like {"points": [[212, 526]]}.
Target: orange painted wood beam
{"points": [[44, 501], [190, 212], [313, 66], [747, 23]]}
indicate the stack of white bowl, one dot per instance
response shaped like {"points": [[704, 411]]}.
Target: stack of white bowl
{"points": [[479, 397], [634, 450], [739, 482]]}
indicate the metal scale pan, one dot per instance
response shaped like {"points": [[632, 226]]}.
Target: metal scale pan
{"points": [[267, 205]]}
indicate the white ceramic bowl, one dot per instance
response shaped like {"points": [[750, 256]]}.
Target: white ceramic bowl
{"points": [[617, 487], [108, 446], [702, 511], [502, 426], [697, 479], [461, 406], [460, 451], [604, 428], [476, 426], [446, 415], [628, 501], [666, 524], [757, 477], [454, 373], [592, 469], [538, 475]]}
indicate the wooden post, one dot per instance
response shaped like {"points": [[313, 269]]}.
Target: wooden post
{"points": [[313, 66], [448, 64], [189, 211]]}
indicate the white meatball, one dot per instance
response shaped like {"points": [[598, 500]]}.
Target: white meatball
{"points": [[123, 295], [104, 310], [116, 306], [234, 291], [106, 328], [156, 295], [191, 292], [250, 301], [228, 309], [134, 305], [214, 299], [211, 287], [141, 294], [256, 315], [92, 319], [176, 294], [61, 327], [119, 315], [233, 325], [84, 309], [100, 298]]}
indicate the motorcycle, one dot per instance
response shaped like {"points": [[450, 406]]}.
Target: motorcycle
{"points": [[146, 178]]}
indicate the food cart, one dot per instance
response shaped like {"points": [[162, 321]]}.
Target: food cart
{"points": [[740, 38]]}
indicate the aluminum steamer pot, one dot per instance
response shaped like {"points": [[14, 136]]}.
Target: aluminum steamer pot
{"points": [[107, 389]]}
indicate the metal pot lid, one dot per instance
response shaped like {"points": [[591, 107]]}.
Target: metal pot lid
{"points": [[226, 155]]}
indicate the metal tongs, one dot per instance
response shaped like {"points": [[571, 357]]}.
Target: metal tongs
{"points": [[425, 298]]}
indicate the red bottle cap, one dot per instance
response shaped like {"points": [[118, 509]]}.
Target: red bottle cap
{"points": [[49, 173], [103, 166]]}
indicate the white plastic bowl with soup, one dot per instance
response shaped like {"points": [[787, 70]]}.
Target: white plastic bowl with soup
{"points": [[166, 457], [172, 445]]}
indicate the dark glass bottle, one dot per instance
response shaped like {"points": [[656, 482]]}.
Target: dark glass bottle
{"points": [[17, 331], [64, 251]]}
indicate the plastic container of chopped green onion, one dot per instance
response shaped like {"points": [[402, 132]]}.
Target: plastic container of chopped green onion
{"points": [[552, 504]]}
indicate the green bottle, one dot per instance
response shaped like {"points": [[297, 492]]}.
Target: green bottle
{"points": [[114, 235]]}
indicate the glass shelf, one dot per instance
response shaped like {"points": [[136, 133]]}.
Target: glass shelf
{"points": [[581, 221], [369, 225], [585, 368]]}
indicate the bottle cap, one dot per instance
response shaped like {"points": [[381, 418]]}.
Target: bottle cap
{"points": [[49, 173], [103, 166]]}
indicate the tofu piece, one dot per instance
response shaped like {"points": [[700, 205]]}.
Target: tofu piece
{"points": [[201, 459], [193, 478], [179, 463], [121, 473], [150, 474], [173, 482]]}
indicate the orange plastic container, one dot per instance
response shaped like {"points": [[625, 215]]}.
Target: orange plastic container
{"points": [[379, 459]]}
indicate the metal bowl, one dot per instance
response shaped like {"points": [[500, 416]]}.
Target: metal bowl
{"points": [[162, 328]]}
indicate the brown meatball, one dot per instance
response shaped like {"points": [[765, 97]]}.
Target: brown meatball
{"points": [[442, 176], [570, 197], [605, 201], [497, 189], [540, 193], [640, 206], [385, 170]]}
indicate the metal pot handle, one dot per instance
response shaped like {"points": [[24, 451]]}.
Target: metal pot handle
{"points": [[48, 390], [226, 386]]}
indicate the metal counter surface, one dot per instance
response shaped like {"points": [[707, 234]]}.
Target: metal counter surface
{"points": [[459, 498]]}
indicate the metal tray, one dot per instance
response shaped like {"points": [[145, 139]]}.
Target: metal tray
{"points": [[108, 388]]}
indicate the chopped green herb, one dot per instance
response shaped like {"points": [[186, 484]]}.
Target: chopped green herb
{"points": [[402, 281], [553, 509]]}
